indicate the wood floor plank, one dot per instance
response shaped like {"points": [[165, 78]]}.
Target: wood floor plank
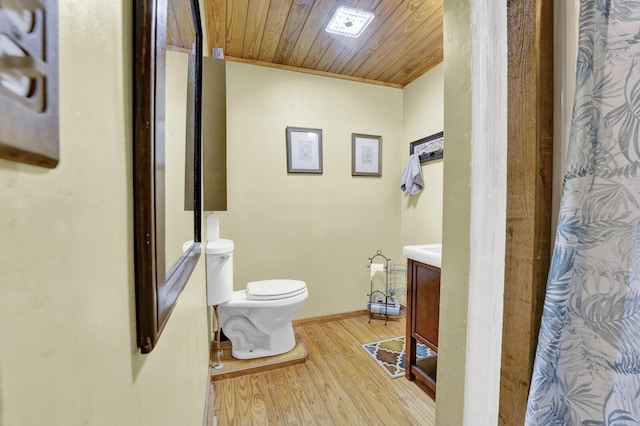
{"points": [[309, 402], [325, 379], [405, 398], [225, 407], [363, 380], [243, 400], [282, 396], [258, 389], [340, 384]]}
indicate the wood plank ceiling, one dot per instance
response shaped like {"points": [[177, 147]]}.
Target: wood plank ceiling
{"points": [[402, 42]]}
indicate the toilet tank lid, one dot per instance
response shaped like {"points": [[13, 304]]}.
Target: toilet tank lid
{"points": [[258, 290], [219, 246]]}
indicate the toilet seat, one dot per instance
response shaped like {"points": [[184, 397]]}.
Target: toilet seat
{"points": [[274, 289]]}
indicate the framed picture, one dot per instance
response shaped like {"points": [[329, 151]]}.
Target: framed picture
{"points": [[304, 150], [429, 148], [366, 155]]}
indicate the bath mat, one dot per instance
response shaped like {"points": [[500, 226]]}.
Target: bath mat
{"points": [[390, 354]]}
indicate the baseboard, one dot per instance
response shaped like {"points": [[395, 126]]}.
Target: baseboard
{"points": [[327, 318]]}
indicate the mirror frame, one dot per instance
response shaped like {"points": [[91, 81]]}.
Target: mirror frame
{"points": [[156, 288]]}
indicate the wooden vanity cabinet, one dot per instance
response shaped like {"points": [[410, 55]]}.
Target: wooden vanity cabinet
{"points": [[423, 312]]}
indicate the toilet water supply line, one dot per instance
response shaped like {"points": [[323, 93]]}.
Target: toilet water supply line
{"points": [[218, 365]]}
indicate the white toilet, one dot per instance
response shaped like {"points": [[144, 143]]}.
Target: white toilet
{"points": [[257, 320]]}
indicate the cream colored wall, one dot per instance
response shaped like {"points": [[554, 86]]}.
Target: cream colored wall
{"points": [[454, 297], [318, 228], [67, 311], [423, 115]]}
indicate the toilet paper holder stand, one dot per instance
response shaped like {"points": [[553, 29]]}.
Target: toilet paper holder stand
{"points": [[383, 304]]}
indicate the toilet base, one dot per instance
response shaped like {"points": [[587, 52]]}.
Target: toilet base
{"points": [[249, 345], [259, 328], [259, 353]]}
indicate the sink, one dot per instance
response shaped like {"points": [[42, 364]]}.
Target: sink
{"points": [[431, 254]]}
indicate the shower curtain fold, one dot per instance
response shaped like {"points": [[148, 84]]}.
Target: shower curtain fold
{"points": [[587, 366]]}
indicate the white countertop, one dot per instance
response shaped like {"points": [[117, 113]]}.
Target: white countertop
{"points": [[431, 254]]}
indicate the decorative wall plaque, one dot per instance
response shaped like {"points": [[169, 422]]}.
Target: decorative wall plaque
{"points": [[29, 123]]}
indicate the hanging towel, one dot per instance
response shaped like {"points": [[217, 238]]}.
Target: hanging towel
{"points": [[412, 181]]}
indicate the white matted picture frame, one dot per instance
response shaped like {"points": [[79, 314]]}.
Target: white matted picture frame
{"points": [[366, 155], [304, 150]]}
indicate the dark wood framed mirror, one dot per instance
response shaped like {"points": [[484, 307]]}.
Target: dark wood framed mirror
{"points": [[156, 287]]}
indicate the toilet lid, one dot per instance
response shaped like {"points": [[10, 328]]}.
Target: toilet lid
{"points": [[274, 289]]}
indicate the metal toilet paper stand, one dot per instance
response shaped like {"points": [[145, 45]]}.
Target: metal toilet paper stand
{"points": [[384, 304]]}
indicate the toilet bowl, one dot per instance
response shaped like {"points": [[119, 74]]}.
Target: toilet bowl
{"points": [[257, 320]]}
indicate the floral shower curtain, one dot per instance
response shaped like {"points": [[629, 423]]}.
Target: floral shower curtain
{"points": [[587, 367]]}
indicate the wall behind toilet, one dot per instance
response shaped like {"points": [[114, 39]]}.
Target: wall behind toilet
{"points": [[318, 228]]}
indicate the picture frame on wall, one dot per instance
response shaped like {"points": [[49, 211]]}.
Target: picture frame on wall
{"points": [[304, 150], [429, 148], [366, 155]]}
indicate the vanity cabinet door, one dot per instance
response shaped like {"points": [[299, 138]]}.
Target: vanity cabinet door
{"points": [[423, 312], [427, 303]]}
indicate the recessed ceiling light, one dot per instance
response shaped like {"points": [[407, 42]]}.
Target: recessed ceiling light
{"points": [[349, 22]]}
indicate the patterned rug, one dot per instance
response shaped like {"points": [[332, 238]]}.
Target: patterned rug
{"points": [[390, 353]]}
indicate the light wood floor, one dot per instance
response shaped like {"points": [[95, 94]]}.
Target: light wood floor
{"points": [[340, 384]]}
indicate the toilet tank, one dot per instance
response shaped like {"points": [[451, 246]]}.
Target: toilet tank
{"points": [[219, 268]]}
